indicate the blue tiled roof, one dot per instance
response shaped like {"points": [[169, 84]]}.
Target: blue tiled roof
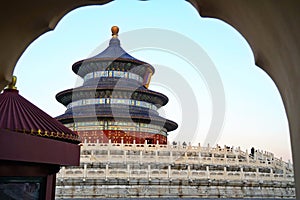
{"points": [[114, 50]]}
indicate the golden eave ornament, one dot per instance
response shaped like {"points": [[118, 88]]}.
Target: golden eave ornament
{"points": [[12, 85]]}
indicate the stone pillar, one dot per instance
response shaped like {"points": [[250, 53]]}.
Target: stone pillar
{"points": [[84, 171], [63, 171], [271, 173], [189, 171], [284, 171], [207, 172], [106, 171], [289, 163], [141, 156], [169, 171], [128, 171], [242, 173], [149, 172]]}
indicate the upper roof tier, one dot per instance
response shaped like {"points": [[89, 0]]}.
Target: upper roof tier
{"points": [[113, 53], [18, 114]]}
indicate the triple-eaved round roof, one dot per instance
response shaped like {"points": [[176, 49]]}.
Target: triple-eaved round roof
{"points": [[114, 52], [20, 115]]}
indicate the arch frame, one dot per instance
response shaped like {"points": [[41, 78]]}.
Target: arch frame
{"points": [[271, 29]]}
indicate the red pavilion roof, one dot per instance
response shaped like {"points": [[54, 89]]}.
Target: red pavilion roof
{"points": [[18, 114]]}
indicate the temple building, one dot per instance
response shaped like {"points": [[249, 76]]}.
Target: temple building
{"points": [[114, 102], [125, 152]]}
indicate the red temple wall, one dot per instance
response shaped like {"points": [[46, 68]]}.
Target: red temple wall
{"points": [[116, 136]]}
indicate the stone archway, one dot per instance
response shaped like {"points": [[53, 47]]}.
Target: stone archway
{"points": [[271, 29]]}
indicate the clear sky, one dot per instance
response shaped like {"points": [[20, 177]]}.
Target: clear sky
{"points": [[254, 112]]}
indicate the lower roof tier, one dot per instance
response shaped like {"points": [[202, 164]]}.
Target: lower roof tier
{"points": [[141, 94], [119, 125], [81, 117]]}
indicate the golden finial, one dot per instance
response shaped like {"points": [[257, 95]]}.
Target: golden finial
{"points": [[12, 85], [114, 31]]}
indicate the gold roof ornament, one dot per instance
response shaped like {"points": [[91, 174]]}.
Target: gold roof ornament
{"points": [[12, 85], [114, 31]]}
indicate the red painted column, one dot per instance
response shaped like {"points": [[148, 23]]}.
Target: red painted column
{"points": [[50, 187]]}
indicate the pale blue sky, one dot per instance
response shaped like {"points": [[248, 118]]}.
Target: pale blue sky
{"points": [[255, 114]]}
